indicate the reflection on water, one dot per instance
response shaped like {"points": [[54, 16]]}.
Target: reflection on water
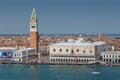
{"points": [[58, 72]]}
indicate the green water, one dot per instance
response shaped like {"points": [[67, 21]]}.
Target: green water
{"points": [[57, 72]]}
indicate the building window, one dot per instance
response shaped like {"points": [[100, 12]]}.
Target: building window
{"points": [[82, 60], [110, 60], [90, 51], [63, 59], [66, 59], [77, 60], [107, 56], [109, 48], [83, 51], [103, 59], [87, 60], [32, 26], [77, 50], [19, 55], [56, 59], [74, 60], [60, 50], [15, 55], [110, 55], [54, 50], [104, 50], [113, 56], [107, 60], [69, 59], [67, 50], [72, 51], [51, 59]]}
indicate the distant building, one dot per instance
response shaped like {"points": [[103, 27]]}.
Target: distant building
{"points": [[24, 56], [112, 57], [77, 52]]}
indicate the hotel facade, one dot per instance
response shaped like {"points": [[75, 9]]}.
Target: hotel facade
{"points": [[77, 52]]}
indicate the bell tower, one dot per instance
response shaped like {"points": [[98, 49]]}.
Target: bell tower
{"points": [[34, 31]]}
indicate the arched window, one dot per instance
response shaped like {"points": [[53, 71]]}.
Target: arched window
{"points": [[69, 59], [67, 50], [15, 55], [60, 50], [83, 51], [76, 60], [56, 59], [63, 59], [72, 51], [91, 51], [107, 56], [51, 59], [66, 59], [54, 50], [77, 50], [82, 60], [110, 55], [87, 60]]}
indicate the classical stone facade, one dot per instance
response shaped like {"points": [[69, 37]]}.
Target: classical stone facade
{"points": [[111, 57], [77, 52]]}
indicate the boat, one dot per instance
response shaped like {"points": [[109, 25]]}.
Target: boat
{"points": [[95, 72], [90, 66], [108, 65], [32, 67]]}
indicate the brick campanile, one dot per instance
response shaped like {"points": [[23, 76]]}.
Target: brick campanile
{"points": [[34, 31]]}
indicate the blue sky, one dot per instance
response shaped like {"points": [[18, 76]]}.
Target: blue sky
{"points": [[61, 16]]}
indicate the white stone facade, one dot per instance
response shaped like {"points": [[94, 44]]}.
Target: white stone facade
{"points": [[111, 57], [78, 52], [24, 56]]}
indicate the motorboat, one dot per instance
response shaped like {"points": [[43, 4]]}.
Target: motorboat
{"points": [[95, 72]]}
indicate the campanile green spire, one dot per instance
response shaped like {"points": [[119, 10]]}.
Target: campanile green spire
{"points": [[33, 16]]}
